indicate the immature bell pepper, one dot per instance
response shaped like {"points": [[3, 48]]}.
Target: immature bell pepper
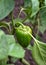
{"points": [[22, 35]]}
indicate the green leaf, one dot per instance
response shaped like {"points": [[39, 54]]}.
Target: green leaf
{"points": [[13, 59], [42, 12], [6, 6], [28, 6], [27, 3], [15, 50], [10, 39], [29, 47], [39, 52], [41, 3], [3, 46], [31, 7], [1, 32], [35, 7], [45, 2]]}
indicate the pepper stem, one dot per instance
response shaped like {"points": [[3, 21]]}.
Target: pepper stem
{"points": [[19, 23], [33, 37]]}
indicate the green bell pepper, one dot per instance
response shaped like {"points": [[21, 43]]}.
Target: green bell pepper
{"points": [[22, 34]]}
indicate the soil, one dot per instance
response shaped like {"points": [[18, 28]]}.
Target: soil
{"points": [[28, 54]]}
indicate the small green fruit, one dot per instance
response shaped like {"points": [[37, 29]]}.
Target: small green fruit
{"points": [[22, 35]]}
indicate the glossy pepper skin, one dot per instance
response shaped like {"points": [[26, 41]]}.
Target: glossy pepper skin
{"points": [[22, 35]]}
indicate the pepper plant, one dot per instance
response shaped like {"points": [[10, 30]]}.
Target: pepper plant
{"points": [[19, 35]]}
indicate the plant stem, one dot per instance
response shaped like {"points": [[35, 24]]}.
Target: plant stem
{"points": [[38, 20], [24, 19], [19, 23], [33, 37], [5, 25], [12, 20], [12, 32], [25, 62], [20, 11]]}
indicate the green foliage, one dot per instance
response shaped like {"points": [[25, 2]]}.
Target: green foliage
{"points": [[45, 2], [16, 51], [6, 6], [27, 3], [35, 7], [35, 14], [3, 62], [14, 48], [28, 7], [39, 52], [17, 20], [3, 46], [42, 12], [31, 7], [8, 46]]}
